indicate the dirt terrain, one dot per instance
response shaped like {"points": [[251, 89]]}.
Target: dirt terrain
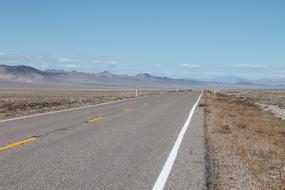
{"points": [[246, 142], [20, 103], [272, 97]]}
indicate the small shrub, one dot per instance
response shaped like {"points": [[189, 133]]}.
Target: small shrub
{"points": [[242, 125], [225, 129]]}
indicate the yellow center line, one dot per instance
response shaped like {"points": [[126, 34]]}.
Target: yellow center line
{"points": [[127, 109], [17, 143], [95, 119]]}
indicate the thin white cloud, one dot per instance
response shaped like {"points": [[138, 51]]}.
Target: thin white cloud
{"points": [[251, 66], [157, 65], [37, 59], [70, 66], [2, 53], [279, 74], [281, 71], [66, 60], [105, 62], [190, 66]]}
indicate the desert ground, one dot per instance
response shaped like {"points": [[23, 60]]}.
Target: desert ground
{"points": [[245, 134], [15, 103], [270, 100]]}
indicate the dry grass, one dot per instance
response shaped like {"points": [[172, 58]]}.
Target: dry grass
{"points": [[246, 144], [20, 103]]}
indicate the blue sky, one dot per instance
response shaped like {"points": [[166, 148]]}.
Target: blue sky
{"points": [[178, 38]]}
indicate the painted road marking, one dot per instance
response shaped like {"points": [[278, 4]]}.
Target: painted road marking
{"points": [[162, 178], [127, 109], [17, 143], [95, 119]]}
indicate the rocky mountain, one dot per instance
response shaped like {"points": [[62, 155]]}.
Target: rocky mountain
{"points": [[22, 73]]}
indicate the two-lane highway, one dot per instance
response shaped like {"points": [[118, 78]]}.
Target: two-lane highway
{"points": [[122, 145]]}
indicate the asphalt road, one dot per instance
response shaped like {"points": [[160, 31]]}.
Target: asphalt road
{"points": [[121, 145]]}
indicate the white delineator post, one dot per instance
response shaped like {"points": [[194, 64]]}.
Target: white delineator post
{"points": [[136, 92]]}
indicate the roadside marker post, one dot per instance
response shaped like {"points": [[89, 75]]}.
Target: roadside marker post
{"points": [[136, 92]]}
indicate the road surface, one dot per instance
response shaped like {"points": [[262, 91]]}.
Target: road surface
{"points": [[122, 145]]}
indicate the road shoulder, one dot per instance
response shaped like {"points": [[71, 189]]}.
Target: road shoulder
{"points": [[188, 171]]}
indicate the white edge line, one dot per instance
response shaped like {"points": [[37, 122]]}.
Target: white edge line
{"points": [[162, 178], [70, 109]]}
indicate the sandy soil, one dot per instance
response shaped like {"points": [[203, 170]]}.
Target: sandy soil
{"points": [[246, 143]]}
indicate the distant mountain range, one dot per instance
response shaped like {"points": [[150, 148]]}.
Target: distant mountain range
{"points": [[27, 74]]}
